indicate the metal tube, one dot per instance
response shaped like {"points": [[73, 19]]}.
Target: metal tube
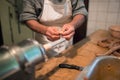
{"points": [[8, 63], [20, 56]]}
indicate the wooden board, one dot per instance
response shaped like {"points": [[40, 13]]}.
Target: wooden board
{"points": [[84, 55]]}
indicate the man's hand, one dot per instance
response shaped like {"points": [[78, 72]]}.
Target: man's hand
{"points": [[67, 31], [52, 33]]}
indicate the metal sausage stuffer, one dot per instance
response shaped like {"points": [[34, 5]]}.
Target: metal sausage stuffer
{"points": [[20, 56]]}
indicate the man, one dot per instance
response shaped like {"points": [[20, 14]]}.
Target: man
{"points": [[53, 20]]}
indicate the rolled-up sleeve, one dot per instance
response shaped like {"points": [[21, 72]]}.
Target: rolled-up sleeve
{"points": [[29, 11], [79, 7]]}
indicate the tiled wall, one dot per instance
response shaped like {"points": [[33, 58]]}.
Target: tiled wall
{"points": [[102, 14]]}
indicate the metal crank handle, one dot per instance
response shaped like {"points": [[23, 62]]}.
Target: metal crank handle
{"points": [[71, 66]]}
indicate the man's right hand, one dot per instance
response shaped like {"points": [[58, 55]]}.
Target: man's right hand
{"points": [[52, 33]]}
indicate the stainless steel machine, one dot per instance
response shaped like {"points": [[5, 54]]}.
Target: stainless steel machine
{"points": [[22, 57]]}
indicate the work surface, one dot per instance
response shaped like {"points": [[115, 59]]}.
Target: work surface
{"points": [[81, 54]]}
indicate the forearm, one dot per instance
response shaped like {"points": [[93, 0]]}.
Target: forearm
{"points": [[77, 20], [36, 26]]}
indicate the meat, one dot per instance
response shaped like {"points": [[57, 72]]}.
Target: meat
{"points": [[113, 46]]}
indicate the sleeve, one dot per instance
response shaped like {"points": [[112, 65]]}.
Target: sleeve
{"points": [[29, 10], [78, 7]]}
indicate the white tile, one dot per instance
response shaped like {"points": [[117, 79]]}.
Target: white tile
{"points": [[92, 16], [91, 27], [102, 17], [114, 7], [118, 18], [112, 18], [106, 1], [93, 6], [100, 25], [102, 0], [114, 0], [92, 0], [103, 6]]}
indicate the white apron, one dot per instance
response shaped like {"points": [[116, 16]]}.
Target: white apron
{"points": [[57, 15]]}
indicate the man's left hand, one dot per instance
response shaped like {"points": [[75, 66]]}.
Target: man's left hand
{"points": [[67, 31]]}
